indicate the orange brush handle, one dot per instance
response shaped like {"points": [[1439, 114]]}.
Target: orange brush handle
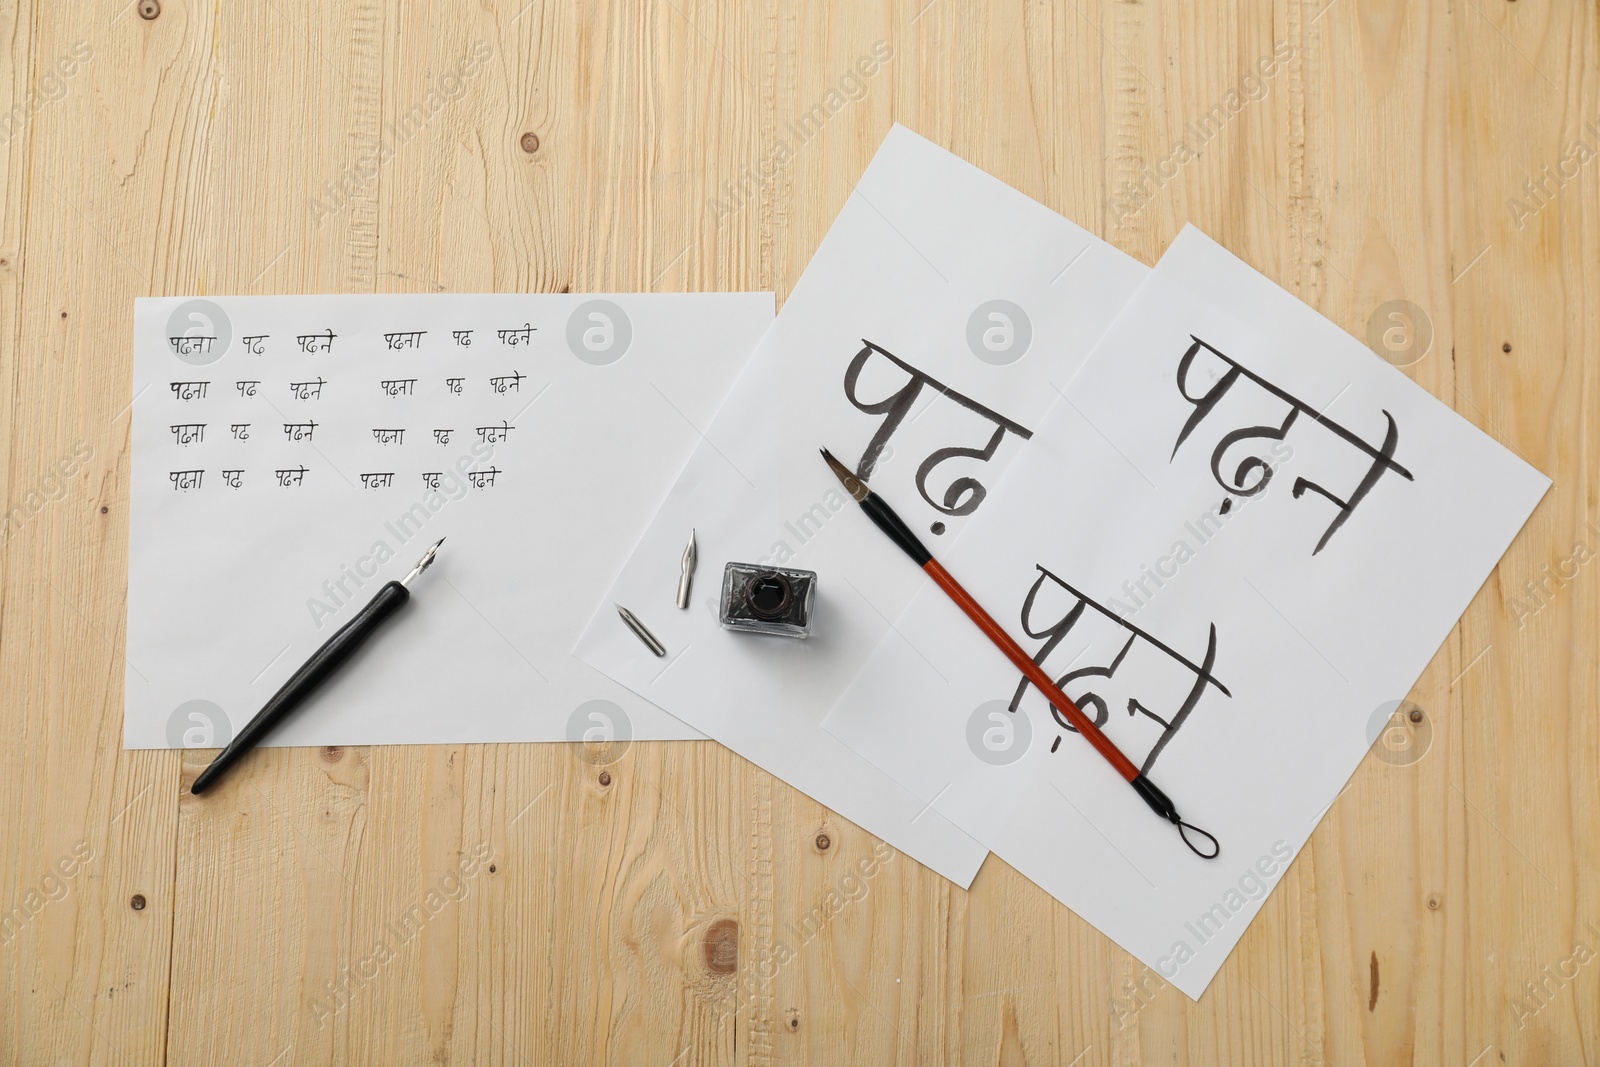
{"points": [[883, 516], [1031, 670]]}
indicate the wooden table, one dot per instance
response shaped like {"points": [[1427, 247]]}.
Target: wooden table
{"points": [[629, 913]]}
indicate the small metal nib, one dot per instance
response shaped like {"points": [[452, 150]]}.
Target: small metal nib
{"points": [[853, 485], [686, 575], [422, 564], [640, 631]]}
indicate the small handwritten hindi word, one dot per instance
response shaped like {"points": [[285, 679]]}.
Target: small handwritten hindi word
{"points": [[482, 478], [463, 337], [191, 344], [1253, 472], [495, 434], [246, 388], [507, 381], [316, 342], [252, 343], [407, 339], [298, 431], [187, 433], [291, 476], [185, 480], [307, 390], [398, 386], [389, 437], [189, 390], [963, 495], [233, 479], [379, 480], [430, 479], [454, 385], [442, 436], [517, 337], [1093, 703], [241, 431]]}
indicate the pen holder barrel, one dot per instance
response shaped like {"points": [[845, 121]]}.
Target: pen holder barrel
{"points": [[323, 662]]}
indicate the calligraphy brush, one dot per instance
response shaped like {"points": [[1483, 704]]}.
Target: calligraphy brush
{"points": [[884, 517]]}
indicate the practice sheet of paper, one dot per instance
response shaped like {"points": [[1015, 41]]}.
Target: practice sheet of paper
{"points": [[291, 454], [1236, 543], [922, 345]]}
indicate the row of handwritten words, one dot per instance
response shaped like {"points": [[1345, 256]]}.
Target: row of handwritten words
{"points": [[191, 344], [500, 384], [1205, 375], [186, 480], [192, 433]]}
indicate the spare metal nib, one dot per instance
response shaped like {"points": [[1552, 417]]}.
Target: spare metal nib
{"points": [[686, 577], [422, 564], [640, 632]]}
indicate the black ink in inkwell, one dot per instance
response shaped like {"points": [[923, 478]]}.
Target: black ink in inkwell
{"points": [[768, 600]]}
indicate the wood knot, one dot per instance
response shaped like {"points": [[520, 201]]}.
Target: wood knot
{"points": [[722, 946], [332, 754], [138, 902], [824, 842], [1433, 902], [530, 142], [149, 9], [605, 778]]}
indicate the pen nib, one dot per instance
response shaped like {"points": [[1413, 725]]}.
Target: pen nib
{"points": [[686, 571], [422, 564], [640, 631], [852, 485]]}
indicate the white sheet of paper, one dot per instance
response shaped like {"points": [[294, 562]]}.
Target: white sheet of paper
{"points": [[230, 589], [914, 264], [1315, 649]]}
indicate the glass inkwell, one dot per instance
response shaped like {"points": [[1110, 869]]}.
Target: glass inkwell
{"points": [[768, 600]]}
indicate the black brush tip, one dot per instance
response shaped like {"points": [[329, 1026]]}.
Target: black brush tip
{"points": [[852, 484]]}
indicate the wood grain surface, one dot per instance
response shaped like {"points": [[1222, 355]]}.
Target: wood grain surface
{"points": [[677, 906]]}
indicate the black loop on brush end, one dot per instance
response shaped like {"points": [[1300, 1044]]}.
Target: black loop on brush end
{"points": [[1183, 832], [1162, 805]]}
